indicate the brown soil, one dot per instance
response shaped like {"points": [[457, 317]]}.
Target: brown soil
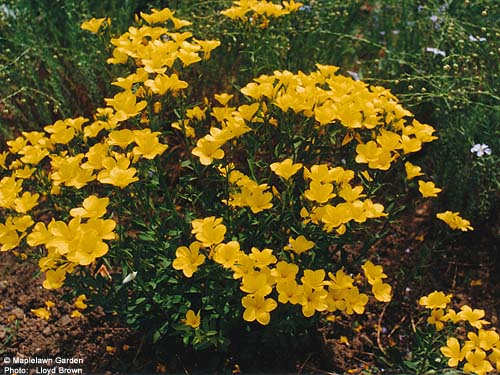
{"points": [[93, 338]]}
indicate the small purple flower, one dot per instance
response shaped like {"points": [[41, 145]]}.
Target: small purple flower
{"points": [[434, 18]]}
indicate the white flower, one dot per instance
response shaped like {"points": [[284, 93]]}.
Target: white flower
{"points": [[481, 149], [354, 75], [472, 38], [436, 51], [130, 277]]}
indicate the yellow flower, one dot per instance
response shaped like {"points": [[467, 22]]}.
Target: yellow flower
{"points": [[436, 318], [111, 349], [42, 313], [121, 138], [262, 258], [373, 272], [235, 12], [340, 280], [22, 223], [33, 154], [86, 245], [314, 279], [125, 105], [256, 197], [148, 145], [451, 315], [207, 46], [354, 301], [256, 284], [313, 300], [188, 259], [286, 168], [428, 189], [410, 144], [473, 316], [188, 57], [454, 221], [453, 351], [258, 308], [26, 202], [157, 16], [93, 207], [299, 245], [117, 172], [223, 98], [369, 152], [163, 83], [24, 173], [80, 302], [350, 194], [412, 171], [3, 159], [227, 254], [207, 150], [54, 279], [435, 300], [319, 192], [209, 231], [94, 24], [284, 272], [196, 113], [76, 314], [193, 320], [381, 291], [477, 363]]}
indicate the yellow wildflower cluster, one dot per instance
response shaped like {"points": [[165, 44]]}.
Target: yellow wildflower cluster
{"points": [[326, 183], [481, 352], [370, 115], [254, 9], [107, 148], [249, 193], [261, 271], [77, 243]]}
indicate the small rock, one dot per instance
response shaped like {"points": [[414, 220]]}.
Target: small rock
{"points": [[3, 284], [65, 320], [46, 331], [18, 312]]}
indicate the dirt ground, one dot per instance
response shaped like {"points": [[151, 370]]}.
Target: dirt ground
{"points": [[101, 344]]}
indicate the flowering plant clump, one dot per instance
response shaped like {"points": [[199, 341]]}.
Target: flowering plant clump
{"points": [[480, 354], [251, 10], [195, 215]]}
